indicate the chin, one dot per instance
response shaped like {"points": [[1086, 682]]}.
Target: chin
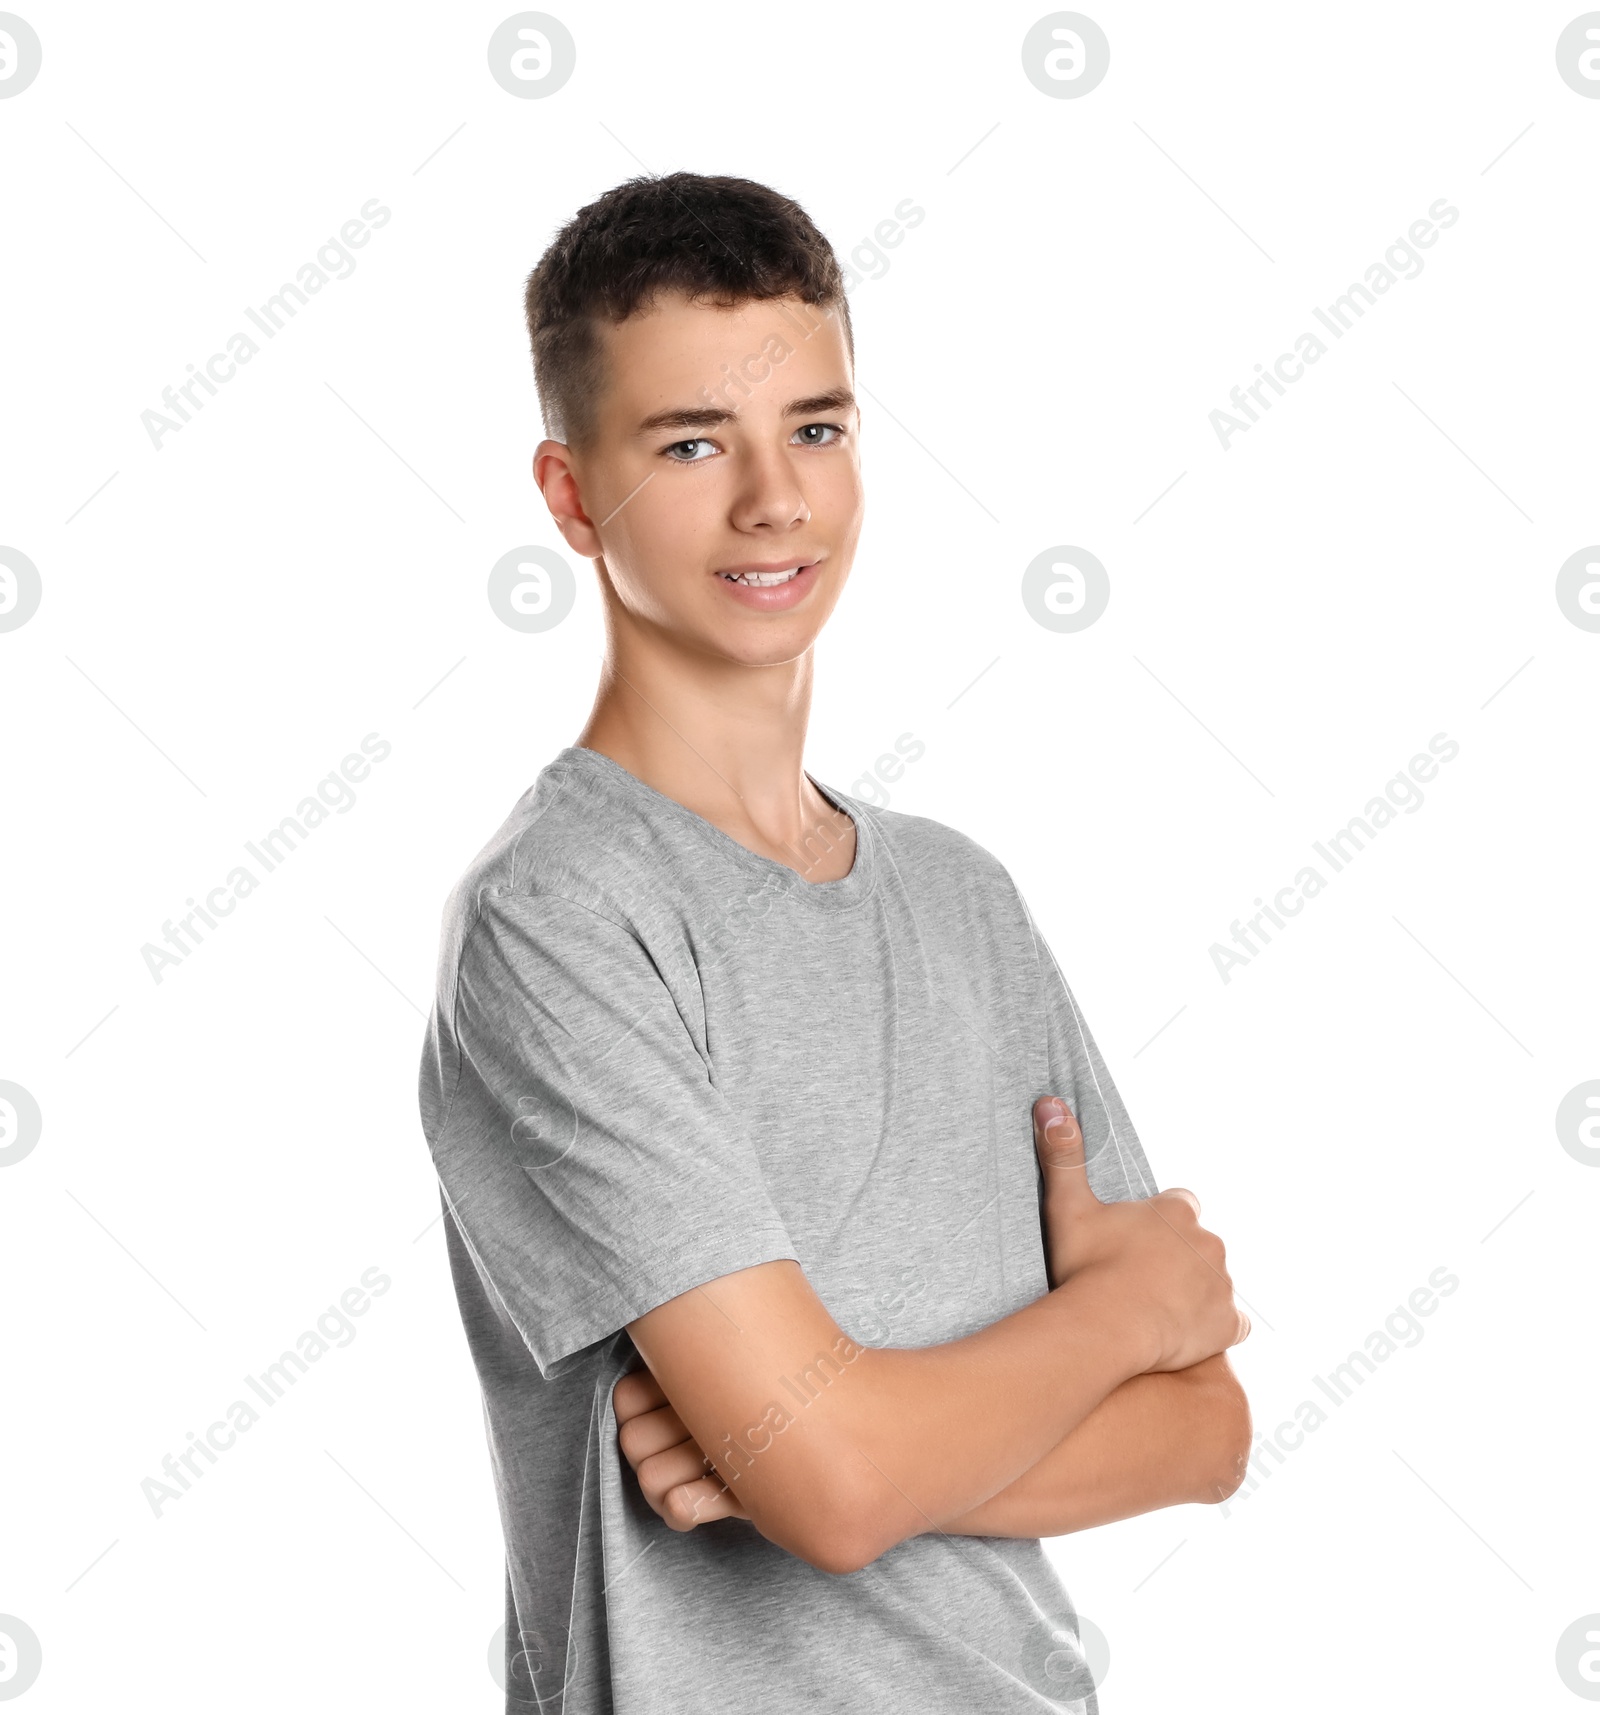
{"points": [[760, 641], [767, 644], [766, 651]]}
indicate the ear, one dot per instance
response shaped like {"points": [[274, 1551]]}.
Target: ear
{"points": [[554, 472]]}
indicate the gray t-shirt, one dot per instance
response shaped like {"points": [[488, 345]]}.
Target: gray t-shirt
{"points": [[657, 1057]]}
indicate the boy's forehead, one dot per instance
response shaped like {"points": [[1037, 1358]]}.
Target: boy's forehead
{"points": [[670, 351]]}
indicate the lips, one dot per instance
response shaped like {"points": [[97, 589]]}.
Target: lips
{"points": [[774, 587]]}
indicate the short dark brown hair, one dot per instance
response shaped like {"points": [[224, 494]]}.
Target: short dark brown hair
{"points": [[716, 240]]}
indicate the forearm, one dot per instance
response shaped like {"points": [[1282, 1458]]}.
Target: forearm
{"points": [[1159, 1440], [937, 1431]]}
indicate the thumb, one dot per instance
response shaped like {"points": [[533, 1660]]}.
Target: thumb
{"points": [[1059, 1140]]}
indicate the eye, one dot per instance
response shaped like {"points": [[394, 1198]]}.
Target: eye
{"points": [[836, 429], [672, 451]]}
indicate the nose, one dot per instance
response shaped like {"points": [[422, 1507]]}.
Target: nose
{"points": [[770, 495]]}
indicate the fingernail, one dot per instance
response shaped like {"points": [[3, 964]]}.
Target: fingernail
{"points": [[1053, 1109]]}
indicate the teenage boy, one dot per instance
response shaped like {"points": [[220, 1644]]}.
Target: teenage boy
{"points": [[808, 1259]]}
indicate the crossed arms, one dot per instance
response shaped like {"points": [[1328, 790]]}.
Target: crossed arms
{"points": [[1111, 1395]]}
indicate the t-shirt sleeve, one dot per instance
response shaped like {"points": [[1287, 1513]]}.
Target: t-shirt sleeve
{"points": [[591, 1165], [1116, 1160]]}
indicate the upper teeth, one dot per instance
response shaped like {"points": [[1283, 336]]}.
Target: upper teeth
{"points": [[761, 577]]}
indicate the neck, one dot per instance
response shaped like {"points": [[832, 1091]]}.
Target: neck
{"points": [[721, 737]]}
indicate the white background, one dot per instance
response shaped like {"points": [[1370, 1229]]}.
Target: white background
{"points": [[1370, 1099]]}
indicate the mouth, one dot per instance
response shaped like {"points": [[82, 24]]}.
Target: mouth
{"points": [[773, 588], [765, 578]]}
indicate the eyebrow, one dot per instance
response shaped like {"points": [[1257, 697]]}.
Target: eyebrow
{"points": [[714, 416]]}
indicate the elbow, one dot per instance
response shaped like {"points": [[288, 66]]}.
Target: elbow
{"points": [[1230, 1474], [835, 1550], [861, 1534], [832, 1544], [840, 1554], [1231, 1440], [860, 1526], [826, 1527]]}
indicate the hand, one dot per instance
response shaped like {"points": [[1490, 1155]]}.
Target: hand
{"points": [[1150, 1255], [671, 1468]]}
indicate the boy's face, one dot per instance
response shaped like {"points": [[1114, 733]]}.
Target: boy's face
{"points": [[727, 439]]}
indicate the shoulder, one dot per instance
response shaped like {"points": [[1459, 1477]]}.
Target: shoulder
{"points": [[961, 896], [939, 868], [933, 848], [564, 843]]}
